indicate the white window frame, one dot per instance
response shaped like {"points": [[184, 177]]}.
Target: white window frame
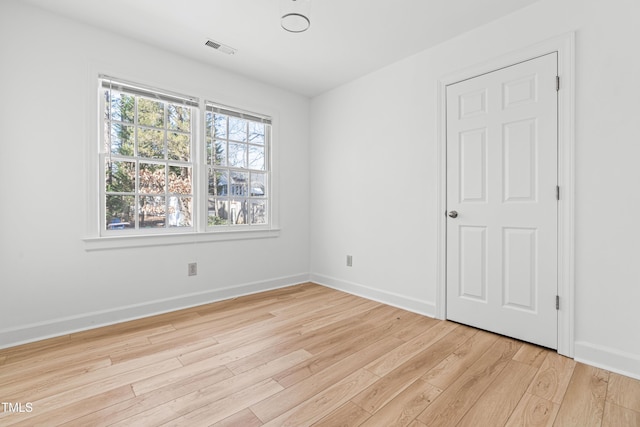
{"points": [[105, 156], [230, 112], [96, 235]]}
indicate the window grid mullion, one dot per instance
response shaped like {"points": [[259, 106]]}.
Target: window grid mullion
{"points": [[166, 181], [246, 145], [137, 200]]}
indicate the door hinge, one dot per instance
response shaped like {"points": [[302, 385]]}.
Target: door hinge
{"points": [[557, 83], [557, 192], [557, 302]]}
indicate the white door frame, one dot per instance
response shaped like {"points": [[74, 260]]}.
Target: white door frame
{"points": [[564, 46]]}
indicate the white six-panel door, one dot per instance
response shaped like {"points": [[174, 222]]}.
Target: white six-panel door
{"points": [[501, 181]]}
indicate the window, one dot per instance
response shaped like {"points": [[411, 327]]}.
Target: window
{"points": [[150, 143], [237, 165], [148, 159]]}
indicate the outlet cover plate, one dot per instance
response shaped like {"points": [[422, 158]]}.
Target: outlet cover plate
{"points": [[192, 269]]}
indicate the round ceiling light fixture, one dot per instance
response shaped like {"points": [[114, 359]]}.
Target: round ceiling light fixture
{"points": [[295, 22], [295, 16]]}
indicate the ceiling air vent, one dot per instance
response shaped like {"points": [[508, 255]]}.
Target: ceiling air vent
{"points": [[222, 48]]}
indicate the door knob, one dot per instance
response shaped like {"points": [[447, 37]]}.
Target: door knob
{"points": [[453, 214]]}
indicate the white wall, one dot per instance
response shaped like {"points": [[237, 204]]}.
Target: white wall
{"points": [[49, 283], [374, 178]]}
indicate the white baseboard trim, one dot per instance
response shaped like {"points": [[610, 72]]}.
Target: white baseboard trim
{"points": [[11, 337], [414, 305], [608, 358]]}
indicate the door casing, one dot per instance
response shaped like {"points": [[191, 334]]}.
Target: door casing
{"points": [[564, 46]]}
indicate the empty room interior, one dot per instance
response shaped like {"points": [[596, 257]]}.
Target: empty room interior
{"points": [[306, 212]]}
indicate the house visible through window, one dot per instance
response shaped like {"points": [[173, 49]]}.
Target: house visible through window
{"points": [[150, 174]]}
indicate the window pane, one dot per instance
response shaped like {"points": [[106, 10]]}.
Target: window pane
{"points": [[208, 124], [220, 125], [120, 176], [218, 212], [179, 118], [238, 210], [239, 183], [119, 212], [258, 211], [256, 158], [152, 212], [256, 133], [122, 106], [218, 182], [219, 156], [237, 155], [258, 184], [237, 129], [151, 143], [152, 178], [180, 209], [180, 180], [150, 113], [179, 146], [122, 137], [209, 150]]}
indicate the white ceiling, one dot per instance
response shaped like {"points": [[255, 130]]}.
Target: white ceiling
{"points": [[347, 38]]}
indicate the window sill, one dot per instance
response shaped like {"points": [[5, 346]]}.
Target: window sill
{"points": [[139, 241]]}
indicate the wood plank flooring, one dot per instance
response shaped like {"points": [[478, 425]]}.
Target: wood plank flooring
{"points": [[303, 356]]}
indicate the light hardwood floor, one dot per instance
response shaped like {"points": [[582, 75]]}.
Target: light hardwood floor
{"points": [[300, 356]]}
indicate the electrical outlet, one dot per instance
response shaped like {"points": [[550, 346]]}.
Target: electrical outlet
{"points": [[349, 261], [192, 269]]}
